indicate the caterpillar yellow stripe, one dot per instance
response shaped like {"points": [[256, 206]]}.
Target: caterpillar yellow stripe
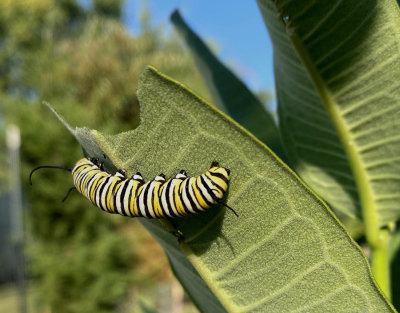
{"points": [[157, 198]]}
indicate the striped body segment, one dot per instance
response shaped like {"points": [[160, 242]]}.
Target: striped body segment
{"points": [[157, 198]]}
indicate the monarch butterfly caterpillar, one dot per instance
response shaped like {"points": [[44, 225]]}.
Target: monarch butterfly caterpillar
{"points": [[157, 198]]}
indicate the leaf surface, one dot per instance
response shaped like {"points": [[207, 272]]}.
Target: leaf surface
{"points": [[285, 252], [229, 93], [337, 69]]}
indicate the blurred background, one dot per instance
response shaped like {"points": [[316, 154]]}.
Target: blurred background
{"points": [[84, 57]]}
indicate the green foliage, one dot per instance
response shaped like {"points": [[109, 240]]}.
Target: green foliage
{"points": [[344, 83], [337, 72], [336, 67], [76, 254], [111, 8], [228, 92], [86, 64], [343, 137], [283, 243]]}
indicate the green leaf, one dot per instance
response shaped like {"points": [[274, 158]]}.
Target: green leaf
{"points": [[229, 93], [95, 145], [337, 67], [285, 252]]}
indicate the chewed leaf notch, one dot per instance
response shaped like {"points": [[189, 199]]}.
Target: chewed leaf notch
{"points": [[285, 250]]}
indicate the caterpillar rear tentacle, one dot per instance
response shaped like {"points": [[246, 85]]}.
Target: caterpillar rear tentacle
{"points": [[68, 192], [157, 198], [228, 207]]}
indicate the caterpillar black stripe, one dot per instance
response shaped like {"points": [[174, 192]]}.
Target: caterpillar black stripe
{"points": [[157, 198]]}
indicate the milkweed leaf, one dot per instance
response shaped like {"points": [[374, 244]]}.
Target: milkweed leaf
{"points": [[337, 68], [229, 93], [285, 252]]}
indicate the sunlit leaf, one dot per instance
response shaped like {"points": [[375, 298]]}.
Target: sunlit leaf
{"points": [[285, 252], [229, 92], [337, 67]]}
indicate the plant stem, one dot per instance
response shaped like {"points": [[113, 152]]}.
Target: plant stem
{"points": [[381, 263]]}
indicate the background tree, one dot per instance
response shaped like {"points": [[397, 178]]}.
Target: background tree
{"points": [[85, 63]]}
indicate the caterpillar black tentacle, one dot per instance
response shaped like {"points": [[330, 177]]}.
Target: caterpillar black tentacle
{"points": [[67, 194], [47, 166], [228, 207], [133, 197]]}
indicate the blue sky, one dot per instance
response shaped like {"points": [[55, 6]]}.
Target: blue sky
{"points": [[236, 27]]}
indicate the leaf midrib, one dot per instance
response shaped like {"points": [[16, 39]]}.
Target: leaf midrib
{"points": [[364, 188]]}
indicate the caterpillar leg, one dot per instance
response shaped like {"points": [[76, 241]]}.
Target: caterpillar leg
{"points": [[95, 161], [119, 173], [160, 177], [137, 176], [179, 235], [181, 175]]}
